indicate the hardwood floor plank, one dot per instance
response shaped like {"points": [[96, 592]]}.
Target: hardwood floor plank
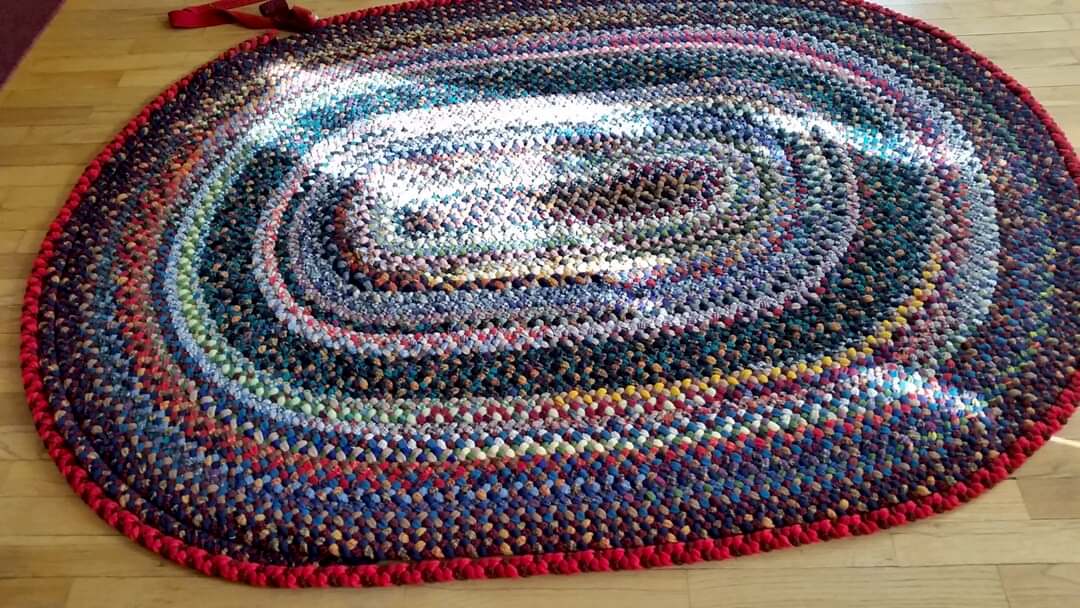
{"points": [[9, 356], [15, 266], [1035, 58], [1049, 76], [94, 98], [950, 587], [975, 26], [1003, 502], [1059, 99], [852, 552], [33, 479], [11, 290], [92, 79], [20, 442], [995, 43], [91, 132], [1051, 498], [61, 175], [47, 154], [10, 316], [152, 78], [204, 592], [34, 592], [1042, 585], [13, 408], [1071, 430], [31, 241], [207, 43], [1052, 460], [28, 218], [982, 8], [25, 197], [90, 556], [9, 240], [50, 46], [12, 135], [11, 294], [35, 116], [50, 516], [943, 543], [182, 61], [641, 589]]}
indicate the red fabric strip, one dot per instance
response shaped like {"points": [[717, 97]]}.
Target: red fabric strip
{"points": [[274, 14]]}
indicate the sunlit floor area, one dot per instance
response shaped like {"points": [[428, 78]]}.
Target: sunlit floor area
{"points": [[100, 61]]}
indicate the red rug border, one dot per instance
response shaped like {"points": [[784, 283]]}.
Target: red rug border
{"points": [[400, 573]]}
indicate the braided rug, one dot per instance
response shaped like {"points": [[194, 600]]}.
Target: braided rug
{"points": [[505, 287]]}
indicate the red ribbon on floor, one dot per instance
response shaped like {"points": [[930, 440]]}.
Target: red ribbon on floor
{"points": [[274, 14]]}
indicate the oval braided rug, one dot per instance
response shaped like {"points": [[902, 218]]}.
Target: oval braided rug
{"points": [[501, 288]]}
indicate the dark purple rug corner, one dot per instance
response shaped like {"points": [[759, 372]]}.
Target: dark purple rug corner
{"points": [[20, 23]]}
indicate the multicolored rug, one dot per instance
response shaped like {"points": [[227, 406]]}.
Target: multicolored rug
{"points": [[505, 288]]}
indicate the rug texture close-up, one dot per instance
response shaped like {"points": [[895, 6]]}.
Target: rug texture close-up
{"points": [[503, 288]]}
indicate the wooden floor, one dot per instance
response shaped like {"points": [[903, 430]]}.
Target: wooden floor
{"points": [[101, 60]]}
